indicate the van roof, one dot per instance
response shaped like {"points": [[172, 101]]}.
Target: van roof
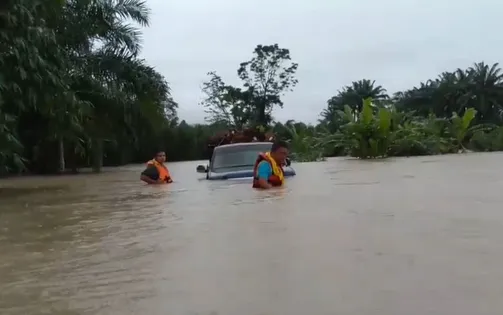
{"points": [[242, 144]]}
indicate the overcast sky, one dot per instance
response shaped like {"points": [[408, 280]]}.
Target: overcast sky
{"points": [[398, 43]]}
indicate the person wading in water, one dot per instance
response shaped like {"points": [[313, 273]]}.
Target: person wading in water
{"points": [[156, 172], [268, 171]]}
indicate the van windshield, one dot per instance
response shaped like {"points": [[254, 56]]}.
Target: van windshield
{"points": [[240, 157]]}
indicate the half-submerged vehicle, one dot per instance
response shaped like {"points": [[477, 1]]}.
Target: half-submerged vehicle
{"points": [[237, 160]]}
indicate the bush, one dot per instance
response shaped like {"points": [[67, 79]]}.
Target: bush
{"points": [[378, 132]]}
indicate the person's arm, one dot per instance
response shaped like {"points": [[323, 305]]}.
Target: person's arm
{"points": [[148, 180], [150, 175], [169, 180], [264, 171]]}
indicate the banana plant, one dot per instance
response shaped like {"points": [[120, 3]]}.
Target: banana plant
{"points": [[460, 126], [369, 133]]}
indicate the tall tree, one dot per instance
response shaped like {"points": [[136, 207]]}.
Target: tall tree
{"points": [[353, 96], [480, 87], [226, 104], [487, 91], [268, 76], [355, 93], [33, 68], [71, 80]]}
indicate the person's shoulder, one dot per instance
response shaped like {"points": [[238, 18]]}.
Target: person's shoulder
{"points": [[150, 169]]}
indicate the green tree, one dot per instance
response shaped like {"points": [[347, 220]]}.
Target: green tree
{"points": [[33, 72], [480, 87], [267, 76], [353, 96], [226, 104], [72, 84], [486, 93]]}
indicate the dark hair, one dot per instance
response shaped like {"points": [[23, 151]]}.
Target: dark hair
{"points": [[278, 145], [159, 151]]}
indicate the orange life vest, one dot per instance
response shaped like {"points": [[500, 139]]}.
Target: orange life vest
{"points": [[162, 169], [277, 177]]}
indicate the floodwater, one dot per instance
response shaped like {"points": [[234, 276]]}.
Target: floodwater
{"points": [[409, 236]]}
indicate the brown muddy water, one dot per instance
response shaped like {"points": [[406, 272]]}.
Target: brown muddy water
{"points": [[411, 236]]}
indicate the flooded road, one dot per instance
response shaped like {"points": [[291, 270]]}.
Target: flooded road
{"points": [[410, 236]]}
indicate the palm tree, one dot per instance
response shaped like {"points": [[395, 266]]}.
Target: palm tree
{"points": [[124, 87], [353, 96], [486, 91], [71, 76], [480, 87], [32, 68]]}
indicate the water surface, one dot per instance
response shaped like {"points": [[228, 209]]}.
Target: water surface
{"points": [[410, 236]]}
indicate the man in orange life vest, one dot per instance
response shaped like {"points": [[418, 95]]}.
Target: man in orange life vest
{"points": [[156, 172], [268, 171]]}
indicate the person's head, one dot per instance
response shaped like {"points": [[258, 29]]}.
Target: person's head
{"points": [[279, 151], [160, 156]]}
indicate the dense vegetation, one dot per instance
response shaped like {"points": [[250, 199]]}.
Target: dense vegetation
{"points": [[74, 93], [459, 110]]}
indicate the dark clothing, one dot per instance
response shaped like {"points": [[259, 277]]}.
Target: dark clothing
{"points": [[151, 172]]}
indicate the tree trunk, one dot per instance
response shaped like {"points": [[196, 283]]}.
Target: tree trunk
{"points": [[73, 160], [125, 156], [97, 149], [262, 115], [61, 156]]}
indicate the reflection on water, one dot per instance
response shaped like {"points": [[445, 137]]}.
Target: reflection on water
{"points": [[408, 236]]}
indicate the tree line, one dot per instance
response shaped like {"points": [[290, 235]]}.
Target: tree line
{"points": [[74, 93], [457, 111]]}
